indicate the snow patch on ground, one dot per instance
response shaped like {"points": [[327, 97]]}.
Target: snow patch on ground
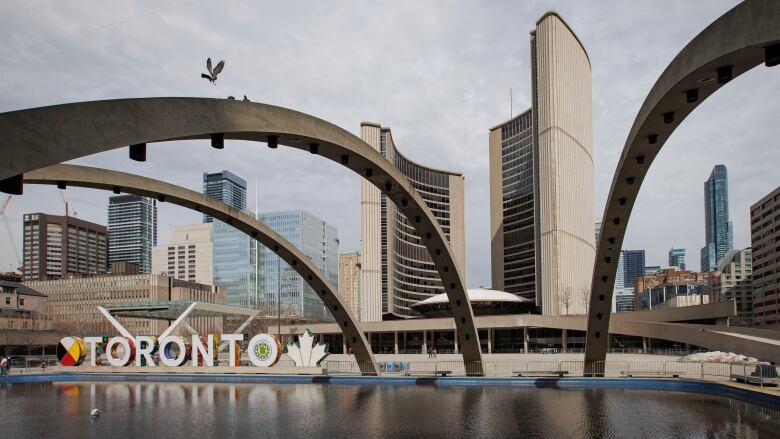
{"points": [[718, 357]]}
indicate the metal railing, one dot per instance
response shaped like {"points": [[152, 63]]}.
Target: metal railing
{"points": [[757, 373], [751, 373]]}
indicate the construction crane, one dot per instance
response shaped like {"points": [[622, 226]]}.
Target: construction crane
{"points": [[65, 202], [4, 218]]}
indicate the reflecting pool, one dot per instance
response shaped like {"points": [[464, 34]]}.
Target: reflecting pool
{"points": [[184, 410]]}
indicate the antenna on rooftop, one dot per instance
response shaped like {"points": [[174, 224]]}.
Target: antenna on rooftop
{"points": [[511, 111]]}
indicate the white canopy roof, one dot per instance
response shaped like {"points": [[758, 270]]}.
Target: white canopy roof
{"points": [[476, 295]]}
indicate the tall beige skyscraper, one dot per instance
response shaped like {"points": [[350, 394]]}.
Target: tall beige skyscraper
{"points": [[349, 280], [397, 270], [541, 179], [188, 256]]}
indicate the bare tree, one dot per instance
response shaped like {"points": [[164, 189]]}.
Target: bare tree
{"points": [[585, 298], [566, 297]]}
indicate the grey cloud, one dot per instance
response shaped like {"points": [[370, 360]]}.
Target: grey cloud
{"points": [[438, 73]]}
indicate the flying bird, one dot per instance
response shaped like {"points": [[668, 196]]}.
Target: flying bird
{"points": [[213, 73]]}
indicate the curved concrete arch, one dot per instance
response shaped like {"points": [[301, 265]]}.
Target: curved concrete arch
{"points": [[96, 178], [733, 44], [35, 138]]}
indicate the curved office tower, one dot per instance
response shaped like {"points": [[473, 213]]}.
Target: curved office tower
{"points": [[397, 270], [541, 161]]}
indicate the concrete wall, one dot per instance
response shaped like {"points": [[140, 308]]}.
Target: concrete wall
{"points": [[562, 97]]}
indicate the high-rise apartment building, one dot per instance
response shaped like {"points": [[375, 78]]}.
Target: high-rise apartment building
{"points": [[57, 247], [677, 258], [397, 270], [541, 179], [227, 187], [633, 266], [235, 253], [132, 230], [717, 226], [735, 282], [349, 280], [764, 235], [189, 254], [319, 241]]}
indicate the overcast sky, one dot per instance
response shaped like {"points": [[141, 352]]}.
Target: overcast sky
{"points": [[437, 73]]}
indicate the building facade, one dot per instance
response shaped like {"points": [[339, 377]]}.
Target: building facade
{"points": [[717, 226], [349, 280], [319, 241], [673, 296], [227, 187], [514, 206], [397, 270], [132, 230], [56, 247], [22, 308], [677, 258], [235, 253], [667, 283], [735, 283], [764, 233], [633, 266], [189, 254], [72, 303], [542, 208], [624, 303]]}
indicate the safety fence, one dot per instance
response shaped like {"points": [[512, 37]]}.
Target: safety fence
{"points": [[756, 373]]}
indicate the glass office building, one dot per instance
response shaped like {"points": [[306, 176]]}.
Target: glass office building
{"points": [[633, 266], [225, 186], [519, 234], [717, 227], [677, 258], [132, 230], [235, 253], [319, 241]]}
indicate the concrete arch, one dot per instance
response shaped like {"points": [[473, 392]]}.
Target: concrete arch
{"points": [[96, 178], [39, 137], [736, 42]]}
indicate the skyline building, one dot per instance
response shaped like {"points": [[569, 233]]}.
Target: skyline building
{"points": [[349, 280], [764, 234], [189, 254], [72, 303], [717, 226], [541, 178], [235, 253], [319, 241], [397, 270], [735, 282], [227, 187], [132, 230], [56, 247], [677, 258], [633, 266]]}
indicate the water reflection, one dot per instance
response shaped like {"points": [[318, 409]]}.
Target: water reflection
{"points": [[44, 410]]}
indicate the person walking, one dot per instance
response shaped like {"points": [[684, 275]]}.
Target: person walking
{"points": [[3, 365]]}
